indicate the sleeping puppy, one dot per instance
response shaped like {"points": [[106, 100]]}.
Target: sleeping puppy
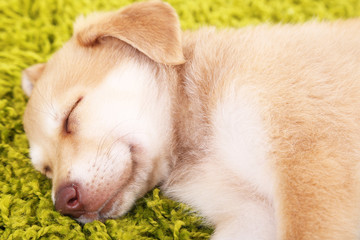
{"points": [[258, 128]]}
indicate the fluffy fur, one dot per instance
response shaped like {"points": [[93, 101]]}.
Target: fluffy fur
{"points": [[257, 129]]}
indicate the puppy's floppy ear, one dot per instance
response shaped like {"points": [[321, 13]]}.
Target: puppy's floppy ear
{"points": [[151, 27], [30, 77]]}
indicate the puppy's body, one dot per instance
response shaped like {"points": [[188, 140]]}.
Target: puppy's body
{"points": [[258, 129], [279, 114]]}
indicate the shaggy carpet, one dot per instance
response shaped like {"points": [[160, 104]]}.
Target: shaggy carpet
{"points": [[30, 31]]}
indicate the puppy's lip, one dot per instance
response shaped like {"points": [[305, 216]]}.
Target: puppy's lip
{"points": [[75, 214], [102, 214], [109, 205]]}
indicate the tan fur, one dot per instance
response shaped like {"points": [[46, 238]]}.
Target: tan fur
{"points": [[309, 89], [165, 34], [301, 81]]}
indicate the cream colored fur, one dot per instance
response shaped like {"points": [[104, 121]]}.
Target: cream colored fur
{"points": [[258, 129]]}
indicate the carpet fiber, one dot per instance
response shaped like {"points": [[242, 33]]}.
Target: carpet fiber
{"points": [[30, 31]]}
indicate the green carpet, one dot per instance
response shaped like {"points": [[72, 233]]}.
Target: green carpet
{"points": [[30, 31]]}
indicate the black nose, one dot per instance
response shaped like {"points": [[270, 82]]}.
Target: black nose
{"points": [[68, 201]]}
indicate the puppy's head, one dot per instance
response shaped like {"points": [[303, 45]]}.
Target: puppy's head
{"points": [[98, 117]]}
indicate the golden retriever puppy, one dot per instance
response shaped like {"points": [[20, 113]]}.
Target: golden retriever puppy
{"points": [[257, 128]]}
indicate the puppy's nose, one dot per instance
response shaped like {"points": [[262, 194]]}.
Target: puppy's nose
{"points": [[68, 201]]}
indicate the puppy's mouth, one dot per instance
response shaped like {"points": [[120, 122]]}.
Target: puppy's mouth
{"points": [[112, 207], [103, 213]]}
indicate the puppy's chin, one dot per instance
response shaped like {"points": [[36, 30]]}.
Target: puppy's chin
{"points": [[89, 217]]}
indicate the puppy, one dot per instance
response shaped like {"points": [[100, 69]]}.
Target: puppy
{"points": [[258, 128]]}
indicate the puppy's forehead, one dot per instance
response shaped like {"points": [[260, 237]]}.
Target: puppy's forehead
{"points": [[78, 65]]}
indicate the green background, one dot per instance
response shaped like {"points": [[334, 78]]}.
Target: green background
{"points": [[30, 31]]}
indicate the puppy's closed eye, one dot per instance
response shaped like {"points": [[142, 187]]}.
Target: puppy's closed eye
{"points": [[68, 122]]}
